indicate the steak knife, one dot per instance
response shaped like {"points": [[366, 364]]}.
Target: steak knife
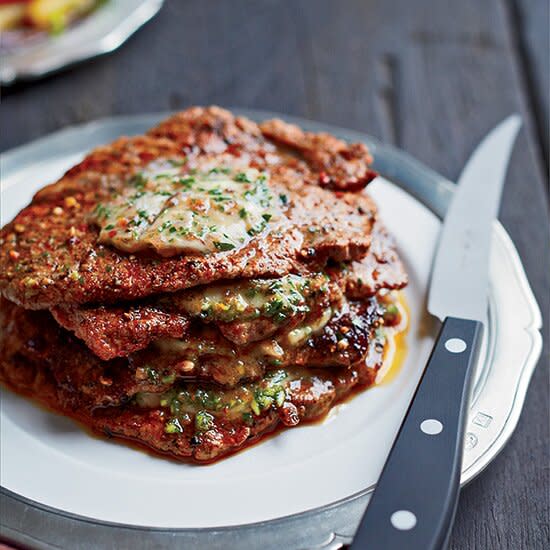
{"points": [[414, 503]]}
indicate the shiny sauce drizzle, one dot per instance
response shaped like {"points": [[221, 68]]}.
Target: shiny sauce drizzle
{"points": [[395, 350]]}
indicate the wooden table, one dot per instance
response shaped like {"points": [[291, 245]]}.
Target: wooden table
{"points": [[430, 76]]}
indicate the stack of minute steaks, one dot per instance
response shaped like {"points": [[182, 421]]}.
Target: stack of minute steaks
{"points": [[198, 286]]}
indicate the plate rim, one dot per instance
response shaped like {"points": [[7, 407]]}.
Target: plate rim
{"points": [[426, 185]]}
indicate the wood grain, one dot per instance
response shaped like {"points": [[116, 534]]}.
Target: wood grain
{"points": [[529, 21], [431, 76]]}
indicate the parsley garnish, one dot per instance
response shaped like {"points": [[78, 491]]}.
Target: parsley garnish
{"points": [[173, 426], [242, 178], [203, 421], [139, 180], [186, 182], [224, 246]]}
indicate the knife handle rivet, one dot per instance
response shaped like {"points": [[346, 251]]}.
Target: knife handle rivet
{"points": [[455, 345], [404, 520], [431, 426]]}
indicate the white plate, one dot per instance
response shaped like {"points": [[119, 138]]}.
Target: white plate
{"points": [[103, 31], [49, 460]]}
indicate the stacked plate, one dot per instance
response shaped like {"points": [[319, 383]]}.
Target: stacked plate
{"points": [[306, 487]]}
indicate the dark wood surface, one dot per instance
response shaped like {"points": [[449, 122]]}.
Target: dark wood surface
{"points": [[431, 76]]}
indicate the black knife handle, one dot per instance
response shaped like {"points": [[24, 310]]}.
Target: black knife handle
{"points": [[414, 502]]}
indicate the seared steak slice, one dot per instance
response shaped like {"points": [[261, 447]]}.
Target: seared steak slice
{"points": [[336, 165], [204, 354], [52, 252], [244, 312], [204, 428], [119, 330], [338, 341], [212, 130], [81, 379], [202, 422], [380, 269]]}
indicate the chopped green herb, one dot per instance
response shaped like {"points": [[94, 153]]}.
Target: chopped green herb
{"points": [[223, 246], [248, 419], [220, 171], [152, 374], [177, 162], [101, 211], [173, 426], [139, 180], [391, 314], [255, 407], [187, 182], [203, 421], [242, 178], [168, 379]]}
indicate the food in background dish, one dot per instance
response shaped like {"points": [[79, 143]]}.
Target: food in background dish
{"points": [[51, 16], [199, 286]]}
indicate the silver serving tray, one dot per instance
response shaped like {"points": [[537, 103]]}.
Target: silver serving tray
{"points": [[101, 32], [497, 399]]}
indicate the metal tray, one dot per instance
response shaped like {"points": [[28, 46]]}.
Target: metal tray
{"points": [[512, 350]]}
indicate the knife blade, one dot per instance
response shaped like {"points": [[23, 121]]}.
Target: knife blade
{"points": [[460, 273], [415, 499]]}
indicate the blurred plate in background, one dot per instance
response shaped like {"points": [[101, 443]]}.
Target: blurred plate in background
{"points": [[101, 32]]}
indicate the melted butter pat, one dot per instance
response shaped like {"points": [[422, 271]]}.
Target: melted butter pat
{"points": [[272, 298], [301, 334], [173, 213]]}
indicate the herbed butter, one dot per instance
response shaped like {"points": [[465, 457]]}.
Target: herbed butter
{"points": [[172, 212]]}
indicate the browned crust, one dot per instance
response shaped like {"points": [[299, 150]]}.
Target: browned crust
{"points": [[336, 164], [145, 427], [36, 337], [41, 360], [50, 255], [50, 258], [380, 269], [119, 330]]}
